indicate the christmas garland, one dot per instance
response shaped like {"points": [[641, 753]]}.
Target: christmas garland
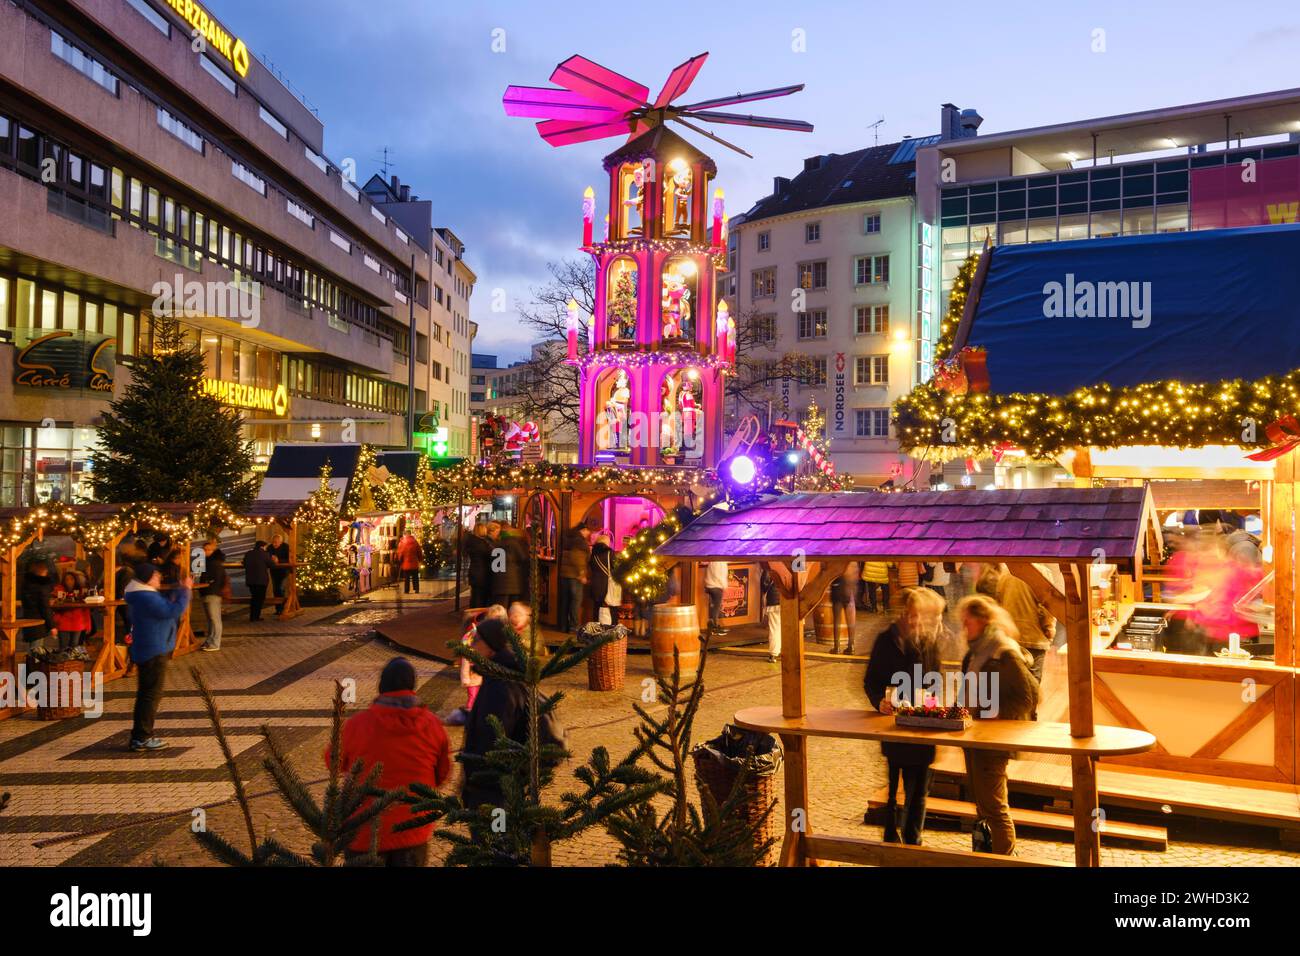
{"points": [[944, 426], [62, 519]]}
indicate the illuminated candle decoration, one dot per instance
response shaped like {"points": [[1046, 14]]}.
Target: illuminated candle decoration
{"points": [[588, 215], [606, 227], [725, 220], [723, 329], [731, 339], [717, 217], [573, 330]]}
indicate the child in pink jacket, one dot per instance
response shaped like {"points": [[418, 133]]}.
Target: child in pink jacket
{"points": [[470, 679]]}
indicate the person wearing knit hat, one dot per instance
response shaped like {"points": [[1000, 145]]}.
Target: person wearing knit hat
{"points": [[506, 700], [400, 733]]}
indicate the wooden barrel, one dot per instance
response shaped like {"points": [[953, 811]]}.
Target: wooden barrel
{"points": [[824, 623], [675, 626]]}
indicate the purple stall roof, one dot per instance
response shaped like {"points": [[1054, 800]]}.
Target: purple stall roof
{"points": [[1042, 524]]}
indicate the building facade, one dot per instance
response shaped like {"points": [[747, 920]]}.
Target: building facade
{"points": [[142, 180], [832, 267], [510, 391]]}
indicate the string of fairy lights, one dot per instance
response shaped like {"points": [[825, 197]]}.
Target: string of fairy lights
{"points": [[98, 531], [943, 425]]}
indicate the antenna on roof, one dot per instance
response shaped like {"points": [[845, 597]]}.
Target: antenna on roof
{"points": [[385, 163], [875, 129]]}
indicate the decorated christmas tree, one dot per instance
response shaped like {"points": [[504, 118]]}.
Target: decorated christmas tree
{"points": [[166, 439], [322, 570]]}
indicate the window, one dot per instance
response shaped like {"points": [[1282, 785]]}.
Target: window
{"points": [[871, 370], [812, 325], [765, 328], [871, 320], [421, 347], [82, 62], [871, 422], [765, 283], [248, 177], [871, 223], [218, 74], [341, 242], [186, 134], [812, 232], [812, 275], [764, 241], [813, 374], [152, 15], [871, 270], [302, 215], [270, 120]]}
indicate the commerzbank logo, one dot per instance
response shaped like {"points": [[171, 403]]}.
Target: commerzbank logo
{"points": [[213, 35]]}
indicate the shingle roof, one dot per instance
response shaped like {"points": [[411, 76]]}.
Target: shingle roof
{"points": [[658, 142], [861, 176], [1042, 524]]}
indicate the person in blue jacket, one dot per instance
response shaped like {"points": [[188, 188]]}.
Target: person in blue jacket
{"points": [[155, 616]]}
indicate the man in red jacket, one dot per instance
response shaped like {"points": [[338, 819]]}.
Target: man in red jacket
{"points": [[398, 731], [409, 556]]}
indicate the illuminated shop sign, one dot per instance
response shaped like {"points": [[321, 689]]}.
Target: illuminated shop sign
{"points": [[66, 361], [232, 48], [252, 397]]}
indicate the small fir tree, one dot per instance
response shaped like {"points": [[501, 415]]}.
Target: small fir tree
{"points": [[166, 439], [351, 805], [323, 573]]}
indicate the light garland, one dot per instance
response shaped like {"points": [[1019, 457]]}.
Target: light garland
{"points": [[322, 568], [943, 426], [615, 247], [961, 284], [60, 520], [685, 358]]}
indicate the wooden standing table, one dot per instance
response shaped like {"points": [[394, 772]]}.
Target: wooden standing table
{"points": [[1030, 736]]}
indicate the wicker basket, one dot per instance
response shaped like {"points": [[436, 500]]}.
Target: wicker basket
{"points": [[759, 792], [607, 667], [49, 670]]}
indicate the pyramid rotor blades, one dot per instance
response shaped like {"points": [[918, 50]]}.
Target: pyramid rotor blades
{"points": [[600, 84], [542, 102], [568, 132], [716, 139], [680, 80], [743, 98], [737, 119]]}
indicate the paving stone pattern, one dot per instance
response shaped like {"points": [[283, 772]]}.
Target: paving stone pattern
{"points": [[80, 798]]}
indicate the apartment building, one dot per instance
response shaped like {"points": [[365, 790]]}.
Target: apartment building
{"points": [[834, 267], [144, 176], [510, 391]]}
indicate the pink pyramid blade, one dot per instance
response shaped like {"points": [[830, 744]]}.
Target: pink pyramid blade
{"points": [[736, 119], [547, 103], [595, 82], [567, 132], [744, 97], [680, 80]]}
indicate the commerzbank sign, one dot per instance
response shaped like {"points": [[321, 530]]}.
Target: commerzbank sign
{"points": [[205, 25], [252, 397]]}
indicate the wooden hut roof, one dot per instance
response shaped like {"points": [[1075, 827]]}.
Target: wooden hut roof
{"points": [[1039, 525]]}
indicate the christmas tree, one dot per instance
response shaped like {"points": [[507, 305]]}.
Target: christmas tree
{"points": [[322, 570], [165, 439]]}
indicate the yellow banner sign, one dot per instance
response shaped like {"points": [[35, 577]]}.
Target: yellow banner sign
{"points": [[206, 26], [253, 397]]}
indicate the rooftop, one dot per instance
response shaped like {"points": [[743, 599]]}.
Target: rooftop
{"points": [[864, 175], [1042, 524]]}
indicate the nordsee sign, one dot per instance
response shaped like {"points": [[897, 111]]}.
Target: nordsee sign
{"points": [[838, 418], [206, 26]]}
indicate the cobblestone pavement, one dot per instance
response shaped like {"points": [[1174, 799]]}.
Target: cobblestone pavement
{"points": [[78, 797]]}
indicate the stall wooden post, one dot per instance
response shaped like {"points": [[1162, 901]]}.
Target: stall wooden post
{"points": [[111, 659], [1078, 635], [186, 642], [800, 592], [291, 606]]}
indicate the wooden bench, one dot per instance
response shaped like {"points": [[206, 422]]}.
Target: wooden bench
{"points": [[1043, 737], [1113, 831], [874, 853]]}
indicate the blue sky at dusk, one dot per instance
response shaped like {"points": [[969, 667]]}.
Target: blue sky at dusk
{"points": [[420, 77]]}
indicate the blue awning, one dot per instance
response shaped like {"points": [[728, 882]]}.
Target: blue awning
{"points": [[1193, 306]]}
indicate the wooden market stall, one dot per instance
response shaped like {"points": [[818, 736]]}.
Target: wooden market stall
{"points": [[806, 540], [1047, 357]]}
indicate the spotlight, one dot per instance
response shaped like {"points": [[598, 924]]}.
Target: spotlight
{"points": [[742, 470]]}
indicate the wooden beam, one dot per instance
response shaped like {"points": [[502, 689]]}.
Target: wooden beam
{"points": [[1238, 727], [1046, 591], [813, 590], [1078, 635], [1120, 710], [783, 576], [794, 850], [1283, 513], [1087, 821], [874, 853]]}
